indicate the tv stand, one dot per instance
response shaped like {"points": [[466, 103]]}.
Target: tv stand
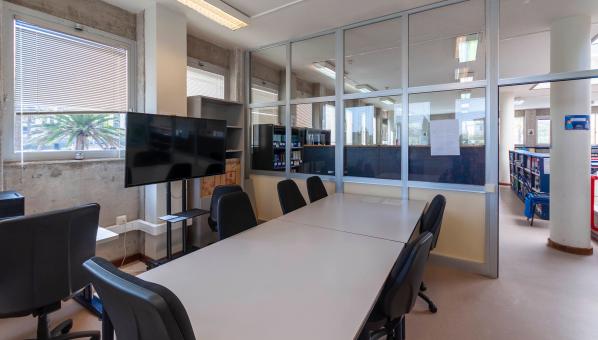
{"points": [[171, 218]]}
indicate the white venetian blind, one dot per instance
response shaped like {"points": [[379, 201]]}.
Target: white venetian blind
{"points": [[58, 72], [204, 83]]}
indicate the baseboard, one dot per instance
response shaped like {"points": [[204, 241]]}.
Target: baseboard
{"points": [[571, 250], [473, 267]]}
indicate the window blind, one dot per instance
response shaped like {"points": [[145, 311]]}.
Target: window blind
{"points": [[58, 72], [204, 83]]}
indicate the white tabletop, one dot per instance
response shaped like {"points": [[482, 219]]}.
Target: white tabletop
{"points": [[105, 235], [280, 280], [387, 218]]}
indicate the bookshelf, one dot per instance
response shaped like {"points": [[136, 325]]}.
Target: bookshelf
{"points": [[530, 172], [268, 148]]}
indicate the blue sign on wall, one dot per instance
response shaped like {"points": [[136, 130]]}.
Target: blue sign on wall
{"points": [[577, 122]]}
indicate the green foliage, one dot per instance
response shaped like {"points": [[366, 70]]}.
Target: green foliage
{"points": [[80, 128]]}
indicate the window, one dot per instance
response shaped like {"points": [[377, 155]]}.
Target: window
{"points": [[313, 66], [447, 136], [268, 74], [544, 131], [313, 134], [446, 44], [69, 91], [373, 57], [372, 137], [204, 83], [519, 130]]}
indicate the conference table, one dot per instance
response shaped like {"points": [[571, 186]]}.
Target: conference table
{"points": [[313, 274]]}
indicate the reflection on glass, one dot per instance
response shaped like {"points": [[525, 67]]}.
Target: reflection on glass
{"points": [[544, 131], [313, 134], [446, 45], [372, 137], [313, 67], [268, 74], [373, 57], [430, 157], [268, 138], [525, 34]]}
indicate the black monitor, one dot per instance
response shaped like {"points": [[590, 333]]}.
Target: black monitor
{"points": [[170, 148]]}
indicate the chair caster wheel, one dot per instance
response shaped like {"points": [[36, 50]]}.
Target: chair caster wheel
{"points": [[433, 309]]}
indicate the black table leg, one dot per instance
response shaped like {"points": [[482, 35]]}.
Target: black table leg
{"points": [[107, 327]]}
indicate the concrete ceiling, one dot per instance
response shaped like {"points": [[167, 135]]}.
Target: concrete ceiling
{"points": [[299, 18]]}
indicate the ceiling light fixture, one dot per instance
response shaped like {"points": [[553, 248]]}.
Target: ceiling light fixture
{"points": [[365, 88], [217, 14], [387, 101], [518, 101], [325, 68], [544, 86]]}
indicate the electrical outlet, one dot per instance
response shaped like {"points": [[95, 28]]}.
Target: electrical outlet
{"points": [[121, 219]]}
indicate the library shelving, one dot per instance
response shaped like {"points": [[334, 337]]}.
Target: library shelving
{"points": [[268, 148], [530, 172]]}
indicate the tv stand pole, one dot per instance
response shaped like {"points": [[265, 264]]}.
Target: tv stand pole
{"points": [[168, 223], [184, 222]]}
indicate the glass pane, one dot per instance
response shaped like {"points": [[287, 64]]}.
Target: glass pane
{"points": [[313, 67], [268, 75], [372, 137], [447, 137], [373, 57], [544, 131], [313, 136], [268, 138], [69, 132], [525, 35], [447, 44], [204, 83]]}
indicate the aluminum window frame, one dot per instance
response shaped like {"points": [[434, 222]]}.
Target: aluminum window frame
{"points": [[11, 12], [491, 84]]}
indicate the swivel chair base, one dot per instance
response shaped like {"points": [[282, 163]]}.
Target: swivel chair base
{"points": [[61, 332]]}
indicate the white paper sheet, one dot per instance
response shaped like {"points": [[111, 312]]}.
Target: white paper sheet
{"points": [[444, 137], [547, 166]]}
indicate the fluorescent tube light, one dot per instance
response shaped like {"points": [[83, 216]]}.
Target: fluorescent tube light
{"points": [[365, 88], [544, 86], [518, 101], [387, 101], [325, 68], [215, 13]]}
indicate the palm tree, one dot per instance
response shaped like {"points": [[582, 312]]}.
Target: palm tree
{"points": [[80, 128]]}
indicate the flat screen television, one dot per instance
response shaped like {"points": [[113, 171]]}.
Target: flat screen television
{"points": [[171, 148]]}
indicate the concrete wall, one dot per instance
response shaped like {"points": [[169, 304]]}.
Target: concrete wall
{"points": [[208, 52], [62, 184], [93, 13]]}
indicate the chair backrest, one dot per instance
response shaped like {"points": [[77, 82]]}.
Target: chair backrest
{"points": [[42, 257], [401, 289], [216, 194], [289, 196], [432, 218], [138, 309], [315, 189], [235, 214]]}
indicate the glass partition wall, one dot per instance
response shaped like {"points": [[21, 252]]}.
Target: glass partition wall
{"points": [[348, 89]]}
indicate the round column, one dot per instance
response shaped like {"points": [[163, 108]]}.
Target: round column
{"points": [[570, 43], [507, 134]]}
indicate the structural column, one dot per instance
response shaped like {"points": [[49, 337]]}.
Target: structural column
{"points": [[507, 134], [570, 152], [165, 84]]}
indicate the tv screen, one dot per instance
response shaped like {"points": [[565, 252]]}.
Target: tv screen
{"points": [[170, 148]]}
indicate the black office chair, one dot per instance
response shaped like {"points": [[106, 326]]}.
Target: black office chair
{"points": [[398, 296], [138, 309], [289, 196], [235, 214], [431, 221], [218, 192], [315, 189], [42, 260]]}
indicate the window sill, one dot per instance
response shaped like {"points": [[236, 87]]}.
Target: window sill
{"points": [[63, 161]]}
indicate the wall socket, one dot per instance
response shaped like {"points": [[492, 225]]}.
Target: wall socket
{"points": [[122, 219]]}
